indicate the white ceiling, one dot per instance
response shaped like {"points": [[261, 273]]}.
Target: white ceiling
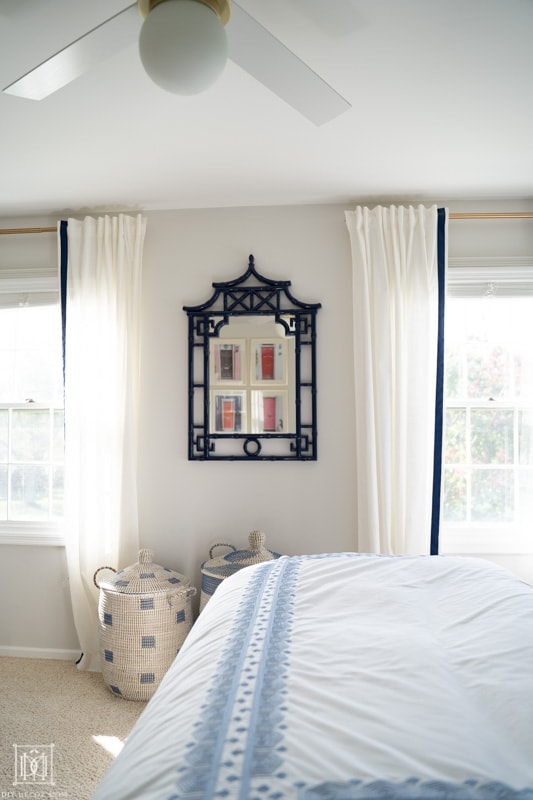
{"points": [[441, 95]]}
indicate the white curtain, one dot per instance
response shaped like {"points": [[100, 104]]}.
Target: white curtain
{"points": [[102, 364], [395, 311]]}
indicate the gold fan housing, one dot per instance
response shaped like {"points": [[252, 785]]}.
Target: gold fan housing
{"points": [[221, 8]]}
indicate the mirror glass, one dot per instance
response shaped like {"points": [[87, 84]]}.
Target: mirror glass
{"points": [[251, 378]]}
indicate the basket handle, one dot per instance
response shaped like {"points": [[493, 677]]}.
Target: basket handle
{"points": [[221, 544], [99, 570], [184, 594]]}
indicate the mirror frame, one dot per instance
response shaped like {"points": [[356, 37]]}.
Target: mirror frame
{"points": [[252, 295]]}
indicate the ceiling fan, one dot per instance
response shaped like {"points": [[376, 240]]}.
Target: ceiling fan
{"points": [[243, 40]]}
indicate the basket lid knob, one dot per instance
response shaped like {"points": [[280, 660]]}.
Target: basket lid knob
{"points": [[145, 556], [256, 540]]}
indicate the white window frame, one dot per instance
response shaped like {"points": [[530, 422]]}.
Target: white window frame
{"points": [[30, 286], [465, 277]]}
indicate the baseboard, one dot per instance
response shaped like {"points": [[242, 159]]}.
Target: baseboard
{"points": [[39, 652]]}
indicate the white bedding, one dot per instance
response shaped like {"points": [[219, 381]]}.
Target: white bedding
{"points": [[345, 676]]}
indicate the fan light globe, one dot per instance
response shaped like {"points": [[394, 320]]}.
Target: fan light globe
{"points": [[183, 46]]}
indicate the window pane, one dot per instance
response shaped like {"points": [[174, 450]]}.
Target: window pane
{"points": [[523, 371], [8, 329], [29, 493], [454, 377], [4, 433], [455, 495], [455, 436], [59, 436], [38, 327], [35, 377], [30, 355], [58, 492], [7, 373], [492, 495], [492, 436], [487, 371], [526, 497], [30, 437], [525, 436], [3, 492]]}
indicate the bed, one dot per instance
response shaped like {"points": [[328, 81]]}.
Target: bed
{"points": [[343, 677]]}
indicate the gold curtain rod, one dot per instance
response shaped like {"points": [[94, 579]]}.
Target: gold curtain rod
{"points": [[452, 215], [5, 231], [491, 215]]}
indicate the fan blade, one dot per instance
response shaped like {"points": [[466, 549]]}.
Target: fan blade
{"points": [[77, 58], [264, 57], [251, 46]]}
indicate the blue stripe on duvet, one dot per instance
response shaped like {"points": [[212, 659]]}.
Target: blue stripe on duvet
{"points": [[413, 789], [240, 730]]}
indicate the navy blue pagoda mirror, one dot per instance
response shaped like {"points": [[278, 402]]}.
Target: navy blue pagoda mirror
{"points": [[252, 373]]}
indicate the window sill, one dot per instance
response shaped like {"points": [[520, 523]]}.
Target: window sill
{"points": [[498, 541], [42, 534]]}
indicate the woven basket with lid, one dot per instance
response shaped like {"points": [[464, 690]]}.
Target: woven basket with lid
{"points": [[144, 615], [215, 570]]}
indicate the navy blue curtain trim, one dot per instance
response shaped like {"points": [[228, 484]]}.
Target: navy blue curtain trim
{"points": [[439, 395], [63, 238]]}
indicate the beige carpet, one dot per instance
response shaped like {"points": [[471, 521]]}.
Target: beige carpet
{"points": [[61, 723]]}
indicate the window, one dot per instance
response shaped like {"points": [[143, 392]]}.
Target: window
{"points": [[488, 430], [31, 410]]}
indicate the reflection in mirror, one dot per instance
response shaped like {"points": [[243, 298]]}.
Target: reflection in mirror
{"points": [[252, 372], [251, 368]]}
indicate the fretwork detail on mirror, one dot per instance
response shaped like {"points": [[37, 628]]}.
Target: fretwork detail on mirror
{"points": [[252, 373]]}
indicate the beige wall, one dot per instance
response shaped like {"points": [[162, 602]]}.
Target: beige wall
{"points": [[187, 506]]}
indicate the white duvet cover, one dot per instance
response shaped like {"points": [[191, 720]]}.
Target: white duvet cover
{"points": [[345, 676]]}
